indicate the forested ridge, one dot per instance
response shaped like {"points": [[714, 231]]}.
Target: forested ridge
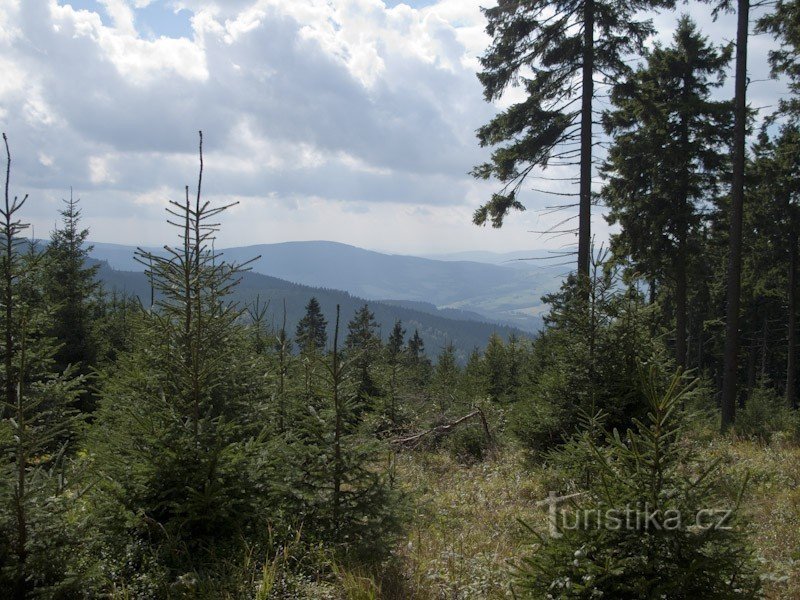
{"points": [[505, 293], [440, 328], [194, 440]]}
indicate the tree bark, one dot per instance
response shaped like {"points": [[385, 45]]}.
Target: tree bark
{"points": [[338, 467], [680, 305], [731, 358], [587, 93], [791, 338], [681, 317]]}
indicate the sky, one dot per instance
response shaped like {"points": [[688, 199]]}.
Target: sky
{"points": [[344, 120]]}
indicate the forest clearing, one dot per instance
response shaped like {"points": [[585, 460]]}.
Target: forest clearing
{"points": [[185, 417]]}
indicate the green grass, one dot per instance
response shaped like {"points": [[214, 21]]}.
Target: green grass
{"points": [[465, 533]]}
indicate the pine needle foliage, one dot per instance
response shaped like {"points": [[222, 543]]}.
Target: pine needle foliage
{"points": [[586, 360], [39, 423], [637, 529], [73, 290], [312, 334], [336, 487], [179, 431], [363, 346]]}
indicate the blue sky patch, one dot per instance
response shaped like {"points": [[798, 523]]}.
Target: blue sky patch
{"points": [[411, 3], [90, 5], [158, 19]]}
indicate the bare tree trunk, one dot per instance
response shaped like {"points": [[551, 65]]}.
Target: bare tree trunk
{"points": [[585, 209], [731, 358], [338, 470], [282, 374], [8, 289], [13, 378], [681, 311], [791, 338], [751, 365], [680, 306]]}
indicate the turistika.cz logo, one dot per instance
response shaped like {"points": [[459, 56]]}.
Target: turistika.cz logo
{"points": [[641, 517]]}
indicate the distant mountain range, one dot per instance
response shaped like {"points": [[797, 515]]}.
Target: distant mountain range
{"points": [[528, 259], [437, 328], [494, 289]]}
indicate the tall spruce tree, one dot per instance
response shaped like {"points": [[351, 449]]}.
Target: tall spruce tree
{"points": [[39, 423], [312, 334], [730, 374], [73, 290], [667, 163], [782, 22], [554, 49], [771, 258]]}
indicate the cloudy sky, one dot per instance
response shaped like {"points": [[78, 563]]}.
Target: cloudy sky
{"points": [[347, 120]]}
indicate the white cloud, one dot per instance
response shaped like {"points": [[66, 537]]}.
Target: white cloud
{"points": [[138, 60], [13, 79], [99, 170], [339, 119], [121, 15], [158, 197], [9, 31]]}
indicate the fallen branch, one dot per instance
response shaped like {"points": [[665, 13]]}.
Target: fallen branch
{"points": [[412, 441]]}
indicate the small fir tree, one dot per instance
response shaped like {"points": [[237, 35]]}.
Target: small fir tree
{"points": [[418, 362], [393, 357], [444, 382], [335, 488], [38, 428], [73, 290], [363, 346], [179, 431], [637, 529], [312, 333]]}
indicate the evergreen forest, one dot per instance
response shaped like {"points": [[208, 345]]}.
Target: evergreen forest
{"points": [[189, 442]]}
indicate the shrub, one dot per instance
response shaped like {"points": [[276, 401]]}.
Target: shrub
{"points": [[469, 444], [764, 414]]}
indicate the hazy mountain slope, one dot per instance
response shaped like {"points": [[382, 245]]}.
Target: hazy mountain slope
{"points": [[375, 275], [496, 293], [532, 259], [436, 330]]}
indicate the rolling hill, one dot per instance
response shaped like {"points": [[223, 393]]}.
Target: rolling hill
{"points": [[470, 290], [436, 328]]}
